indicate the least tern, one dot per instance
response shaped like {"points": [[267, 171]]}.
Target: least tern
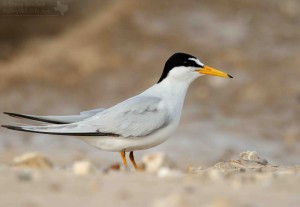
{"points": [[138, 123]]}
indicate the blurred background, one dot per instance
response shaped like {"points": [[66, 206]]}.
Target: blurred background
{"points": [[81, 55]]}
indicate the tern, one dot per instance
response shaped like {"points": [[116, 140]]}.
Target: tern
{"points": [[140, 122]]}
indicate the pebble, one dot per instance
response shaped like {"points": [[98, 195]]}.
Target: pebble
{"points": [[252, 156], [166, 172], [249, 155], [115, 167], [33, 160], [83, 167], [248, 160], [154, 162]]}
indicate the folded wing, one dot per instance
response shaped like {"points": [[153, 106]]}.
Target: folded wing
{"points": [[135, 117]]}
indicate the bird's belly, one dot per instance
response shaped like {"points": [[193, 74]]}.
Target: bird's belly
{"points": [[131, 143]]}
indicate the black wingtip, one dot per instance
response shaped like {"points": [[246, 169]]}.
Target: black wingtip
{"points": [[13, 127], [230, 76], [9, 113], [15, 115]]}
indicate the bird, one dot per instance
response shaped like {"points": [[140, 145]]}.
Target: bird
{"points": [[138, 123]]}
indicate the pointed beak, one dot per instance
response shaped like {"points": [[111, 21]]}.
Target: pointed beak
{"points": [[206, 70]]}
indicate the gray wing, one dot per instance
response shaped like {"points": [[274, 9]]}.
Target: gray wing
{"points": [[58, 119], [135, 117]]}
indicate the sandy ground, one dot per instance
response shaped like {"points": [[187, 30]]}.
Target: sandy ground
{"points": [[102, 52], [245, 183]]}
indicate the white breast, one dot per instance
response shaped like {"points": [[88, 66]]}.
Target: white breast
{"points": [[173, 95]]}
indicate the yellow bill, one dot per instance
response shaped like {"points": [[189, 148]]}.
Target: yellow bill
{"points": [[206, 70]]}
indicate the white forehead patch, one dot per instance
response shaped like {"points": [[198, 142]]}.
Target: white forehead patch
{"points": [[197, 61]]}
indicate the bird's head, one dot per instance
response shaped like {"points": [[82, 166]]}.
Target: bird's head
{"points": [[185, 67]]}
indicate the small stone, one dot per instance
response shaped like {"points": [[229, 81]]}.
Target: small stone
{"points": [[252, 156], [165, 172], [249, 155], [115, 167], [83, 167], [154, 162], [263, 162], [33, 160], [242, 164]]}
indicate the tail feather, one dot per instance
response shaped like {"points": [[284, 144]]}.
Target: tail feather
{"points": [[60, 131]]}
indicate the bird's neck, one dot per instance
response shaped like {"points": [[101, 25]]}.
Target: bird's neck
{"points": [[172, 92], [172, 88]]}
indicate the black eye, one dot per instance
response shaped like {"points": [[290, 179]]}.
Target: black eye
{"points": [[191, 63]]}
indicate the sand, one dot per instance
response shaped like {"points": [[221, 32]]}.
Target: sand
{"points": [[230, 183], [102, 52]]}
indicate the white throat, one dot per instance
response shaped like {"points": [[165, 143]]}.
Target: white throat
{"points": [[172, 92], [173, 88]]}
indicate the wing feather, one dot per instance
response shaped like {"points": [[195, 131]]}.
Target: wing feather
{"points": [[135, 117], [58, 119]]}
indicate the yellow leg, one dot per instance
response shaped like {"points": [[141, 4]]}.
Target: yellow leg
{"points": [[133, 161], [123, 156]]}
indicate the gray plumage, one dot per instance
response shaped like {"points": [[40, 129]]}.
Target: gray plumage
{"points": [[126, 119]]}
